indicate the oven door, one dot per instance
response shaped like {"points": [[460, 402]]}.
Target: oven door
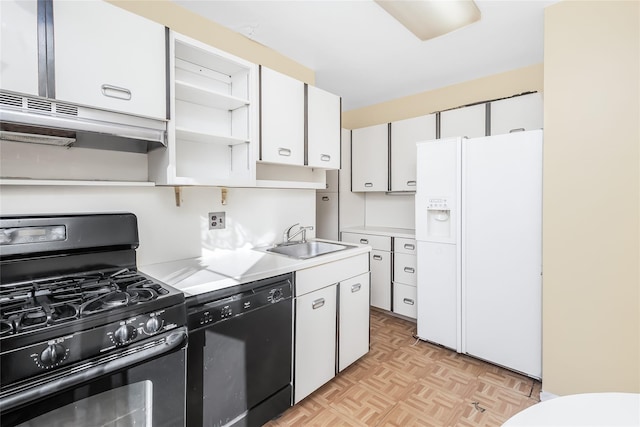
{"points": [[139, 386]]}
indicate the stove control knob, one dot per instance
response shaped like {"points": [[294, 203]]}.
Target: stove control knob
{"points": [[53, 354], [153, 325], [124, 334]]}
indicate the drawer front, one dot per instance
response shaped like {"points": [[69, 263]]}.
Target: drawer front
{"points": [[314, 278], [405, 246], [381, 243], [404, 269], [404, 300]]}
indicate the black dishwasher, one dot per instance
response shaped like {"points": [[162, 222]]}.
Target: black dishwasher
{"points": [[239, 354]]}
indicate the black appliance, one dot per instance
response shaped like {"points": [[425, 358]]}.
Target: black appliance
{"points": [[240, 352], [85, 338]]}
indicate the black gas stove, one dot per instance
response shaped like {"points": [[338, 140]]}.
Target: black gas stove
{"points": [[70, 292]]}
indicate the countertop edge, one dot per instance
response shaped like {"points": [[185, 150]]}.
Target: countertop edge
{"points": [[407, 233]]}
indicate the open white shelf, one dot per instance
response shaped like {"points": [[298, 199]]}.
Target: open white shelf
{"points": [[198, 95], [207, 138], [81, 183]]}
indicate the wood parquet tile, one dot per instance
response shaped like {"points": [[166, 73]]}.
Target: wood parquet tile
{"points": [[405, 382]]}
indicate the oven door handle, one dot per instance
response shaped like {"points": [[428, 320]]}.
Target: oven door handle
{"points": [[114, 363]]}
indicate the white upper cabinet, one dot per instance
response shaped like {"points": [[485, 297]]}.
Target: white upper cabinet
{"points": [[109, 58], [404, 135], [19, 46], [323, 128], [212, 130], [370, 158], [281, 118], [466, 121], [518, 113]]}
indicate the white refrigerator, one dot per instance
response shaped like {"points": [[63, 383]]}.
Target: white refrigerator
{"points": [[479, 232]]}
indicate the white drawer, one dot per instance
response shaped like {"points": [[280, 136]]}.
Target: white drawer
{"points": [[404, 300], [404, 269], [381, 243], [311, 279], [405, 246]]}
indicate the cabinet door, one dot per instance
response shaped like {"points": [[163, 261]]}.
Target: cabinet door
{"points": [[109, 58], [19, 46], [281, 118], [404, 135], [323, 128], [370, 158], [381, 279], [517, 114], [465, 121], [353, 329], [315, 341], [327, 215], [332, 184]]}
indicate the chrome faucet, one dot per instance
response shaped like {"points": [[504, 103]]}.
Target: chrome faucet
{"points": [[286, 236]]}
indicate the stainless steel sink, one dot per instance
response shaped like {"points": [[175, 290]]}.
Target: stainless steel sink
{"points": [[307, 250]]}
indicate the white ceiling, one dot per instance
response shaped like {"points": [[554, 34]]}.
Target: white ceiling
{"points": [[363, 54]]}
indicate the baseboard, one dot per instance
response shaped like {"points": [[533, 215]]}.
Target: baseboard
{"points": [[545, 395]]}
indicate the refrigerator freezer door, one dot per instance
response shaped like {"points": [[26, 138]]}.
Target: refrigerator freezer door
{"points": [[438, 190], [438, 294], [502, 250]]}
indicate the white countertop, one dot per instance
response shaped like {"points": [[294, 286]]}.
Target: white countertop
{"points": [[407, 233], [225, 268], [589, 409]]}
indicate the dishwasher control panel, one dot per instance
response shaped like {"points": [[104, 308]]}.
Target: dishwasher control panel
{"points": [[247, 299]]}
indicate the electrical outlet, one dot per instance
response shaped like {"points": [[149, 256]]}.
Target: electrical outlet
{"points": [[217, 220]]}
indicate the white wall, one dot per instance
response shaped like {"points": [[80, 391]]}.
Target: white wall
{"points": [[383, 210], [255, 217]]}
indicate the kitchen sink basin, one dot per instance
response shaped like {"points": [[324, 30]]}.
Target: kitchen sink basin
{"points": [[306, 250]]}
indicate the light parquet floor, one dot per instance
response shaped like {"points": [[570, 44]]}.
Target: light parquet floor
{"points": [[406, 382]]}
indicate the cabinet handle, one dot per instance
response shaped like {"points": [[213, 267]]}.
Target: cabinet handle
{"points": [[411, 183], [377, 257], [364, 241], [116, 92], [356, 287], [409, 246], [408, 301], [516, 130], [286, 152], [409, 270], [368, 184], [325, 198], [325, 157], [317, 303]]}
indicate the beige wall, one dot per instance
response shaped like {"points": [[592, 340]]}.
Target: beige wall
{"points": [[185, 22], [501, 85], [591, 299]]}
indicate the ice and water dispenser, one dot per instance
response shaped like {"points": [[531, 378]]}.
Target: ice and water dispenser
{"points": [[439, 221]]}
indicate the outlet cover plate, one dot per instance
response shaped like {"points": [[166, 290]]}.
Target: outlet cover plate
{"points": [[217, 220]]}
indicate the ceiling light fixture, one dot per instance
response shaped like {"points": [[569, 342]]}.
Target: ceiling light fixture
{"points": [[432, 18]]}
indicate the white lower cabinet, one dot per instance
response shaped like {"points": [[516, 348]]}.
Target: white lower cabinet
{"points": [[381, 279], [380, 266], [315, 345], [405, 266], [317, 307], [353, 318]]}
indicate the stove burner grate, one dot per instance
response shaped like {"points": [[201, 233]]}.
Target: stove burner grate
{"points": [[38, 303]]}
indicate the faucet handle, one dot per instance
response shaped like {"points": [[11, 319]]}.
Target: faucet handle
{"points": [[287, 232]]}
